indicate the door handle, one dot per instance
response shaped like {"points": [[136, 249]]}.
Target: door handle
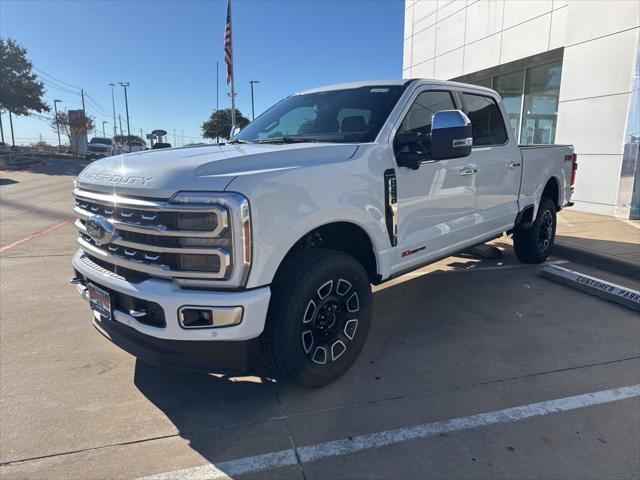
{"points": [[513, 164], [467, 171]]}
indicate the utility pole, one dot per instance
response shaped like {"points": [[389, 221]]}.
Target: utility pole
{"points": [[120, 121], [103, 122], [84, 112], [1, 129], [55, 109], [13, 140], [113, 107], [141, 137], [253, 111], [126, 105]]}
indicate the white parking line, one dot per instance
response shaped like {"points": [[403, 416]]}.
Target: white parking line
{"points": [[311, 453]]}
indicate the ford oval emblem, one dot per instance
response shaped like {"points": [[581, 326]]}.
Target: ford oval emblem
{"points": [[99, 229]]}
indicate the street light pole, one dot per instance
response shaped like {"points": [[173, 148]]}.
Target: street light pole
{"points": [[120, 122], [113, 107], [126, 106], [253, 111], [103, 122], [55, 109]]}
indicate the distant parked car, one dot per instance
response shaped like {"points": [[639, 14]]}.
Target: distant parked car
{"points": [[101, 147], [132, 146], [161, 145]]}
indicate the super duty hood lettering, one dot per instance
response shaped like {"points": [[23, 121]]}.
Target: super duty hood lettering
{"points": [[114, 178], [161, 173]]}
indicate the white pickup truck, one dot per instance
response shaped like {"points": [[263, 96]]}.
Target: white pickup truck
{"points": [[194, 257]]}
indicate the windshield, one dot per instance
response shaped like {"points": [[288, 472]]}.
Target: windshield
{"points": [[353, 116], [104, 141]]}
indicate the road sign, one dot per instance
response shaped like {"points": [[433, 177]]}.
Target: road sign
{"points": [[159, 133]]}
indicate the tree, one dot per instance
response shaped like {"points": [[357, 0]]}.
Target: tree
{"points": [[63, 122], [219, 124], [20, 90]]}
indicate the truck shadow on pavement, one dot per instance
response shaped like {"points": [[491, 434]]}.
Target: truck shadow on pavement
{"points": [[205, 407], [470, 329], [211, 411]]}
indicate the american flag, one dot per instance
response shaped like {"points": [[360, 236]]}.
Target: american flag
{"points": [[228, 56]]}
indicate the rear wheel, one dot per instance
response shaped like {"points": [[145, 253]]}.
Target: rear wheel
{"points": [[319, 317], [533, 244]]}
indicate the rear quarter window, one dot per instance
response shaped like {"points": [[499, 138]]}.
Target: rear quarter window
{"points": [[486, 120]]}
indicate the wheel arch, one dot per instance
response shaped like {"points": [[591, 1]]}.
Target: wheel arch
{"points": [[552, 190], [332, 235]]}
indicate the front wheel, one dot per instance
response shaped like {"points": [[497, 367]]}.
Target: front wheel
{"points": [[533, 244], [319, 317]]}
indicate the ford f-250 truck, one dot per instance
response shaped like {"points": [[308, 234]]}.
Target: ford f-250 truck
{"points": [[192, 257]]}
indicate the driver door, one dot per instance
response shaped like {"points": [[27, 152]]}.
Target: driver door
{"points": [[436, 202]]}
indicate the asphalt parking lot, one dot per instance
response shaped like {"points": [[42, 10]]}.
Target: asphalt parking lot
{"points": [[474, 368]]}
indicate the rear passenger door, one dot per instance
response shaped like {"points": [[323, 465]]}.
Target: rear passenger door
{"points": [[498, 162]]}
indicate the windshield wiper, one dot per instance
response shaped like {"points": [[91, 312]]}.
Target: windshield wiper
{"points": [[287, 140]]}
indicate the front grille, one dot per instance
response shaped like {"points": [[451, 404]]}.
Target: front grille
{"points": [[150, 238]]}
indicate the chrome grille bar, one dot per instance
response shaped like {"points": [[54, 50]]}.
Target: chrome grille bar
{"points": [[153, 248], [157, 229], [156, 270]]}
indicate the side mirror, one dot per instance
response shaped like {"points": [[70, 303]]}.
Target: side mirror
{"points": [[235, 129], [416, 154], [451, 135]]}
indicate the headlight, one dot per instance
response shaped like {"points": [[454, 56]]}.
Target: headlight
{"points": [[196, 198], [228, 217]]}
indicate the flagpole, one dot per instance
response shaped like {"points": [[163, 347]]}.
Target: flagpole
{"points": [[233, 89]]}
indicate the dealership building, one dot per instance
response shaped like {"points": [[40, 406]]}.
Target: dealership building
{"points": [[568, 71]]}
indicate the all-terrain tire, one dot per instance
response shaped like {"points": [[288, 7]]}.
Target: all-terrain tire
{"points": [[319, 317], [534, 243]]}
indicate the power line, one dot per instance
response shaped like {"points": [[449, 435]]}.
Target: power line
{"points": [[62, 89], [56, 79], [99, 106], [99, 110]]}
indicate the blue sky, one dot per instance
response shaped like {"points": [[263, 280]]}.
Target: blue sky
{"points": [[168, 51]]}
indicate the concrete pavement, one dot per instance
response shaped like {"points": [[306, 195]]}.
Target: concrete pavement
{"points": [[462, 337], [599, 239]]}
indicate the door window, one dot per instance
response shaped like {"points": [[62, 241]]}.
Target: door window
{"points": [[486, 120], [418, 119]]}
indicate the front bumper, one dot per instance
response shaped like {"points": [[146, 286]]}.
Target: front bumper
{"points": [[221, 357], [210, 348]]}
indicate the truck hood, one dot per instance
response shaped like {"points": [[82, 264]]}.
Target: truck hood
{"points": [[161, 173]]}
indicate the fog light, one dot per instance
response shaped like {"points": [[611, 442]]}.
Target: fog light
{"points": [[196, 318], [209, 317]]}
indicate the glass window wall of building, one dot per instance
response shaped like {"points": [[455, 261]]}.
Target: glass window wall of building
{"points": [[530, 96]]}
